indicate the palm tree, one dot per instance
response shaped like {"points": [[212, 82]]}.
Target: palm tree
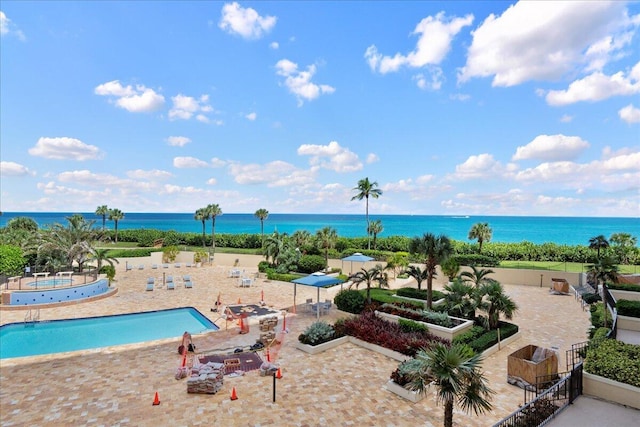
{"points": [[450, 268], [262, 214], [61, 245], [461, 299], [301, 238], [103, 211], [455, 372], [327, 238], [417, 273], [597, 243], [274, 246], [435, 250], [604, 270], [497, 303], [368, 277], [365, 190], [203, 215], [115, 215], [101, 256], [477, 276], [480, 232], [375, 228], [213, 211], [623, 245]]}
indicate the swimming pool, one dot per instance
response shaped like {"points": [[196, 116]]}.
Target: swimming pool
{"points": [[56, 336], [50, 283]]}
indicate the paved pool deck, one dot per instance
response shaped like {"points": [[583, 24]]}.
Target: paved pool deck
{"points": [[341, 387]]}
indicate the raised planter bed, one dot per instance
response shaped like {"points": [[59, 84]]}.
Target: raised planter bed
{"points": [[410, 395], [502, 344], [630, 295], [315, 349], [439, 331], [424, 301], [629, 323], [612, 391]]}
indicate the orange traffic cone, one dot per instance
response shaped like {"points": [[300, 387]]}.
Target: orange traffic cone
{"points": [[268, 356], [234, 395], [278, 374], [184, 359], [239, 302], [284, 322], [156, 400]]}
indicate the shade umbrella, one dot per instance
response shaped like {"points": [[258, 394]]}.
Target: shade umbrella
{"points": [[357, 257], [319, 280]]}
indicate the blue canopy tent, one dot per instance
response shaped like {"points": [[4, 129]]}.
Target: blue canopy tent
{"points": [[357, 257], [319, 280]]}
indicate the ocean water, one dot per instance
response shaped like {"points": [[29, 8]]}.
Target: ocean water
{"points": [[535, 229]]}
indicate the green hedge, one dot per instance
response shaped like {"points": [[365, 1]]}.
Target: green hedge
{"points": [[615, 360], [490, 338], [131, 253], [623, 287], [282, 277], [419, 294], [476, 260], [629, 308], [350, 300]]}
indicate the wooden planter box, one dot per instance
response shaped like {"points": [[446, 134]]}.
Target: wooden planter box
{"points": [[521, 367]]}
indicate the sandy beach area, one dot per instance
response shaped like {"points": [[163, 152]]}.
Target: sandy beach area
{"points": [[340, 387]]}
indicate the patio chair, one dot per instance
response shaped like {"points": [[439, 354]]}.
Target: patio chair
{"points": [[150, 283], [188, 284], [327, 305], [154, 266], [141, 267], [177, 265], [309, 304], [165, 265], [170, 285]]}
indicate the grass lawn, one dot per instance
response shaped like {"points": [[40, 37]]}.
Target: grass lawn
{"points": [[571, 267]]}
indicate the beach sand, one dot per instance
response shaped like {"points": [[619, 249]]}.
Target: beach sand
{"points": [[341, 387]]}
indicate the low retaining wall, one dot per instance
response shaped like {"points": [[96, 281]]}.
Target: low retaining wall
{"points": [[55, 295], [629, 323], [612, 391], [439, 331], [628, 295]]}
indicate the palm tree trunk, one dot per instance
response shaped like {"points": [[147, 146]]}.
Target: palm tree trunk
{"points": [[116, 227], [448, 413], [429, 292], [204, 239], [213, 235], [367, 215]]}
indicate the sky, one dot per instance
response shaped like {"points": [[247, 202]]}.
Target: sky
{"points": [[450, 108]]}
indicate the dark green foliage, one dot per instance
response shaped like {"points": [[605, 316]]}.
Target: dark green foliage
{"points": [[109, 270], [263, 266], [591, 298], [418, 294], [411, 326], [629, 308], [317, 333], [310, 263], [476, 260], [131, 253], [350, 300], [282, 277], [597, 315], [11, 260], [490, 338], [470, 335], [615, 360], [623, 287]]}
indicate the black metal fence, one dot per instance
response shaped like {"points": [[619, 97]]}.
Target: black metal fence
{"points": [[548, 402]]}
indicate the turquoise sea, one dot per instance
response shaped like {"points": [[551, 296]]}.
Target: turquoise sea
{"points": [[535, 229]]}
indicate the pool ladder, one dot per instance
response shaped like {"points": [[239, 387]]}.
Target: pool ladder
{"points": [[32, 316]]}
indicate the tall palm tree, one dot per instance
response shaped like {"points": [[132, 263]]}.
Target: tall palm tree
{"points": [[327, 238], [203, 215], [369, 277], [497, 303], [375, 228], [274, 246], [435, 250], [103, 211], [623, 243], [417, 273], [68, 244], [456, 373], [604, 270], [480, 232], [301, 238], [477, 276], [598, 242], [262, 214], [213, 211], [116, 215], [366, 189]]}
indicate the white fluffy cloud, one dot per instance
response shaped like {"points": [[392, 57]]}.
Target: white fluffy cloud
{"points": [[65, 148], [630, 114], [245, 22], [479, 166], [552, 148], [8, 28], [178, 141], [274, 174], [189, 163], [154, 174], [596, 87], [13, 169], [140, 99], [299, 82], [332, 156], [251, 116], [545, 40], [435, 34], [186, 107]]}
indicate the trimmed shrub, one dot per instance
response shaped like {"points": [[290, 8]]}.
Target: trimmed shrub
{"points": [[623, 287], [616, 361], [590, 298], [263, 266], [470, 335], [411, 326], [282, 277], [419, 294], [476, 260], [629, 308], [317, 333], [310, 263], [490, 338], [131, 253], [350, 300]]}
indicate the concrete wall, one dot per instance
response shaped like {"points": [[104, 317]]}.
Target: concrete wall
{"points": [[613, 391]]}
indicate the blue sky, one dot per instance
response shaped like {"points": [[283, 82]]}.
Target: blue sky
{"points": [[453, 108]]}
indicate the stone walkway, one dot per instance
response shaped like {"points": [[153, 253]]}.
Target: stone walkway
{"points": [[341, 387]]}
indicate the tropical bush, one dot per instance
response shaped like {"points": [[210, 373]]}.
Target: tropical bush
{"points": [[628, 308], [490, 338], [590, 298], [615, 360], [317, 333], [369, 327], [476, 260], [402, 374], [130, 253], [11, 260], [350, 300], [418, 293], [435, 318], [411, 326], [311, 263], [470, 335], [170, 253]]}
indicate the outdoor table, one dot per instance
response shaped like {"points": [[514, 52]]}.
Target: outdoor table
{"points": [[245, 283], [235, 273]]}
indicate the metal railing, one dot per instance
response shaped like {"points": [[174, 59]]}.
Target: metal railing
{"points": [[548, 403]]}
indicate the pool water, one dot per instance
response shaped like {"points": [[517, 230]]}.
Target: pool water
{"points": [[56, 336], [50, 283]]}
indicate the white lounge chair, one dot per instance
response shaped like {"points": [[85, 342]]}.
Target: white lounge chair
{"points": [[188, 284], [150, 283], [141, 267], [154, 266], [170, 285]]}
